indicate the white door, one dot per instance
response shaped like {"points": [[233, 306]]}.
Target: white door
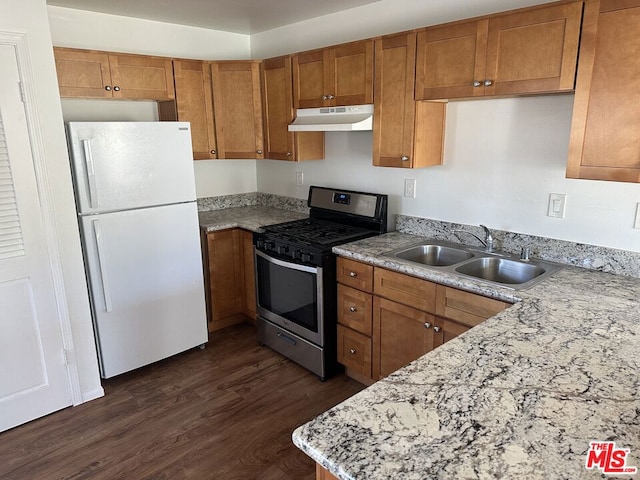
{"points": [[125, 165], [34, 378], [145, 272]]}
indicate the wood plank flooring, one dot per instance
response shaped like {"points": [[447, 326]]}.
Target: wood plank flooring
{"points": [[226, 412]]}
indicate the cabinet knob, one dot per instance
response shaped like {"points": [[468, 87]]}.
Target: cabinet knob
{"points": [[477, 83], [324, 97], [352, 351], [404, 158], [259, 152], [213, 152], [330, 97], [352, 309], [437, 329], [288, 154], [488, 83], [353, 274], [427, 325], [116, 88], [108, 88]]}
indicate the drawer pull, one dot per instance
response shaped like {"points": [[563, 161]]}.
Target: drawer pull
{"points": [[353, 274], [352, 309], [352, 351]]}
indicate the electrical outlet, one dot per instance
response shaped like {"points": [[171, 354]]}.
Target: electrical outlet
{"points": [[299, 179], [410, 187], [636, 223], [557, 204]]}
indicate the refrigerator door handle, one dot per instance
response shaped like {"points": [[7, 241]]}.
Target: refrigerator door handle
{"points": [[91, 174], [102, 261]]}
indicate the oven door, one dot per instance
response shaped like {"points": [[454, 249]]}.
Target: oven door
{"points": [[290, 295]]}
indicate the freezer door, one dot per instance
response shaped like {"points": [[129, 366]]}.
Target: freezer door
{"points": [[125, 165], [146, 280]]}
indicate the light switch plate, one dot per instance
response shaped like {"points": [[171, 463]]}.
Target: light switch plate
{"points": [[299, 179], [557, 204], [410, 187], [636, 223]]}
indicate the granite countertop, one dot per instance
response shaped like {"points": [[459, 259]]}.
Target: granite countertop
{"points": [[250, 218], [520, 396]]}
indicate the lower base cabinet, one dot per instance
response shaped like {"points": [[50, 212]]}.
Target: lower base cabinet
{"points": [[230, 278], [387, 319], [322, 474]]}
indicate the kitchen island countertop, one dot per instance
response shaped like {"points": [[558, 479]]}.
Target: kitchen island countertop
{"points": [[520, 396], [250, 218]]}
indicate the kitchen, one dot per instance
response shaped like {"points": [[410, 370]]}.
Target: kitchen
{"points": [[519, 169]]}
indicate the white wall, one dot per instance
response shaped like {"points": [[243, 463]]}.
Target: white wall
{"points": [[98, 31], [30, 17], [502, 157]]}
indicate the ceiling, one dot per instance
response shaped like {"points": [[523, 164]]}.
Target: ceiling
{"points": [[238, 16]]}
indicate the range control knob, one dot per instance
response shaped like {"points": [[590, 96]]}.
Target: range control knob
{"points": [[269, 245], [305, 256], [282, 249], [259, 243]]}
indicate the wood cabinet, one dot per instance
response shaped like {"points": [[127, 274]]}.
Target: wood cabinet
{"points": [[605, 144], [406, 133], [194, 104], [277, 101], [95, 74], [323, 474], [387, 319], [230, 277], [533, 50], [340, 75], [237, 109]]}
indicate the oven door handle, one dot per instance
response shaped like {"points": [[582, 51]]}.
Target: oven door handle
{"points": [[281, 263]]}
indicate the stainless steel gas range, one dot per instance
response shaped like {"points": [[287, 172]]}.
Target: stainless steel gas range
{"points": [[296, 274]]}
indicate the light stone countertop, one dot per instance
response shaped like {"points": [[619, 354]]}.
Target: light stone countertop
{"points": [[520, 396], [250, 218]]}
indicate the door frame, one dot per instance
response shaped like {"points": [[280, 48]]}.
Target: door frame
{"points": [[19, 42]]}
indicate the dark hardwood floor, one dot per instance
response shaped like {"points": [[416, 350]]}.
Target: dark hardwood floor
{"points": [[226, 412]]}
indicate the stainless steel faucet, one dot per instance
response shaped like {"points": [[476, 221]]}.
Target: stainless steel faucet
{"points": [[487, 243]]}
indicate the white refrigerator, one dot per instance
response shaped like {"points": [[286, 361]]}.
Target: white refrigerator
{"points": [[136, 203]]}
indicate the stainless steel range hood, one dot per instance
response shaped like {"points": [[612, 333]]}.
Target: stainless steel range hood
{"points": [[333, 119]]}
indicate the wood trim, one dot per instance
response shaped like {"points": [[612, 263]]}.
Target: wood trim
{"points": [[430, 120]]}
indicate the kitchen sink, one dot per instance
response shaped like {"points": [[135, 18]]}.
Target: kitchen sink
{"points": [[500, 269], [434, 255]]}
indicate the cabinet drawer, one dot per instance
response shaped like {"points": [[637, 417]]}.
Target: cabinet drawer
{"points": [[354, 350], [355, 274], [466, 308], [354, 309], [405, 289]]}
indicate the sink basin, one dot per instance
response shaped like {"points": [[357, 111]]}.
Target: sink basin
{"points": [[501, 270], [434, 255]]}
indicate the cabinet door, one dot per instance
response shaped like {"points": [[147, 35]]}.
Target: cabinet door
{"points": [[83, 73], [394, 107], [238, 109], [451, 329], [226, 282], [605, 144], [279, 142], [349, 74], [141, 77], [249, 275], [308, 80], [195, 105], [401, 334], [533, 51], [450, 61]]}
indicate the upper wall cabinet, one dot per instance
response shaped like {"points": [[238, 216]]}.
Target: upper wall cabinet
{"points": [[340, 75], [194, 104], [93, 74], [406, 133], [605, 144], [523, 52], [277, 102], [237, 109]]}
